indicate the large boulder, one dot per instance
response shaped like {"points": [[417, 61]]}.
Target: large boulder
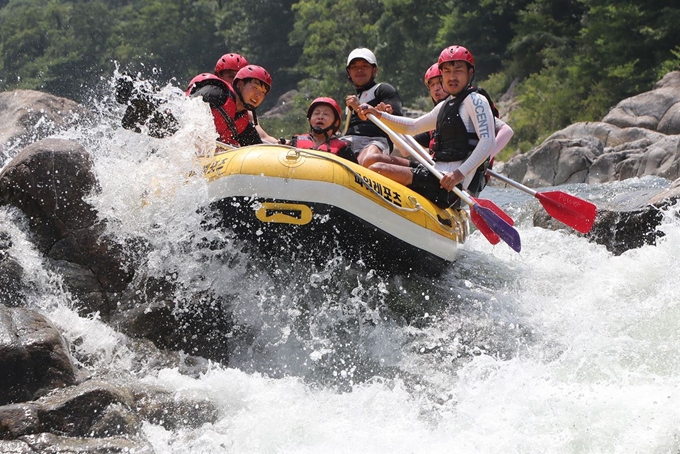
{"points": [[49, 182], [657, 110], [34, 357], [27, 116], [639, 136]]}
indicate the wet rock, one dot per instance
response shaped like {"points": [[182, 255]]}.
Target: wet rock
{"points": [[92, 409], [34, 357], [622, 230], [198, 327], [47, 443], [11, 275], [49, 181], [159, 406]]}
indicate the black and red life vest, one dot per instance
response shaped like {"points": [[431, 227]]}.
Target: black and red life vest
{"points": [[452, 140], [234, 127], [230, 124]]}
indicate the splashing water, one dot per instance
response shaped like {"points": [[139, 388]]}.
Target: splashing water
{"points": [[563, 348]]}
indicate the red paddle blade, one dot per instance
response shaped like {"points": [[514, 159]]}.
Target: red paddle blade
{"points": [[495, 208], [570, 210]]}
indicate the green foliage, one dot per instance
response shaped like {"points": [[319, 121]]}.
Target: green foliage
{"points": [[328, 30], [572, 60], [672, 64], [408, 28], [47, 45], [178, 37], [287, 125], [546, 101], [259, 31], [483, 26]]}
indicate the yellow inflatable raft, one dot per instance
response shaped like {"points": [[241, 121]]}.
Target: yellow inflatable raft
{"points": [[315, 204]]}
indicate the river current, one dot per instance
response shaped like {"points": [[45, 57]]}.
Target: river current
{"points": [[562, 348]]}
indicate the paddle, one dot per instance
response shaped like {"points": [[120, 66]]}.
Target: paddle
{"points": [[487, 220], [566, 208], [483, 227], [348, 117]]}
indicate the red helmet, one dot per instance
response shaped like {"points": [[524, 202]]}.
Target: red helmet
{"points": [[230, 62], [254, 72], [432, 72], [456, 53], [204, 79], [328, 101]]}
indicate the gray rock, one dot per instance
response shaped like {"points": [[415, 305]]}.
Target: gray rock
{"points": [[637, 137], [27, 116], [644, 110], [34, 357]]}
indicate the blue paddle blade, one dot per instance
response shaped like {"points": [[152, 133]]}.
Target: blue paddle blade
{"points": [[500, 227]]}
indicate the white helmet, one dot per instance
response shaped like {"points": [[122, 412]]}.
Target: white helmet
{"points": [[363, 53]]}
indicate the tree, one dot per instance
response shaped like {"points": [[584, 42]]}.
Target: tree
{"points": [[485, 27], [407, 46], [328, 30], [178, 38], [52, 46], [259, 31]]}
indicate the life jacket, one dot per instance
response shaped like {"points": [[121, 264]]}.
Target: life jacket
{"points": [[366, 97], [334, 145], [229, 123], [222, 99], [452, 141]]}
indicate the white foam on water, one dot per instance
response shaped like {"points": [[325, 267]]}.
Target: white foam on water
{"points": [[563, 348]]}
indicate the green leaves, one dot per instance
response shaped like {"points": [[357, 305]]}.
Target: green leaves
{"points": [[570, 60]]}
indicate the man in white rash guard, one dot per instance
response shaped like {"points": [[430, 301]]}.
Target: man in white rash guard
{"points": [[464, 137]]}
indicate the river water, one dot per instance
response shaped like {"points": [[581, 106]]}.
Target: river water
{"points": [[562, 348]]}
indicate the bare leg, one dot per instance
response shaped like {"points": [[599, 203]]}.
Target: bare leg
{"points": [[399, 173], [366, 152], [375, 158]]}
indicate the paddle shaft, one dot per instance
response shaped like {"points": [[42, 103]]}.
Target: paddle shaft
{"points": [[418, 148], [512, 183]]}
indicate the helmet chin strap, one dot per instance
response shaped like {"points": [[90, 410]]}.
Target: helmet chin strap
{"points": [[324, 131], [249, 107]]}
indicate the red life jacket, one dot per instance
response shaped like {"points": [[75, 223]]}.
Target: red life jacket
{"points": [[229, 123], [334, 145]]}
